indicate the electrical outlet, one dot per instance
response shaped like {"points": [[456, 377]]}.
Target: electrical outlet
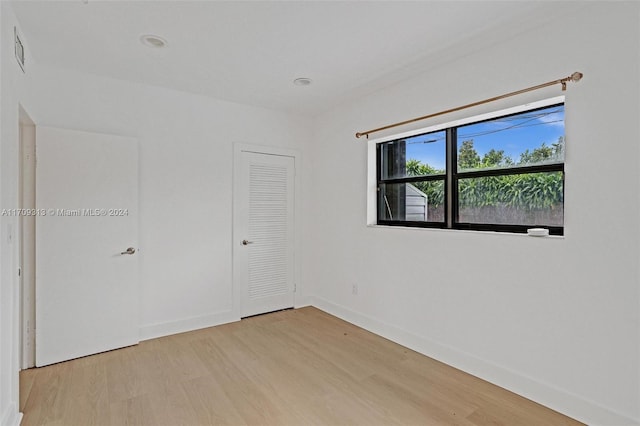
{"points": [[354, 289]]}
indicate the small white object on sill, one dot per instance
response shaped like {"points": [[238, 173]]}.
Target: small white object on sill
{"points": [[538, 232]]}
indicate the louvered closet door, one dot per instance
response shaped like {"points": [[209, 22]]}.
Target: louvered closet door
{"points": [[265, 246]]}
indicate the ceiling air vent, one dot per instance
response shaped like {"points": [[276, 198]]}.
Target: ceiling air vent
{"points": [[19, 49]]}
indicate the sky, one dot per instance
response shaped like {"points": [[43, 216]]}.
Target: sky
{"points": [[513, 134]]}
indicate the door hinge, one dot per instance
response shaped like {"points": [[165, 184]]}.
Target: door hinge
{"points": [[295, 287], [19, 272]]}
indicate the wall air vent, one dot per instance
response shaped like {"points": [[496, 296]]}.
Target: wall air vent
{"points": [[19, 49]]}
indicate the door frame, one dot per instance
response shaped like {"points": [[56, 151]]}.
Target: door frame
{"points": [[299, 299], [26, 238]]}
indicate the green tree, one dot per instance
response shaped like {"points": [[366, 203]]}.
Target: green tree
{"points": [[537, 191], [558, 148], [433, 189], [468, 157], [544, 153], [417, 168], [495, 158]]}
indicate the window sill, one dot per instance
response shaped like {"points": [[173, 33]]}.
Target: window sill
{"points": [[465, 231]]}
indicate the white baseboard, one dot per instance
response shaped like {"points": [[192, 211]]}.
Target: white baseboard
{"points": [[303, 301], [11, 416], [545, 394], [153, 331], [189, 324]]}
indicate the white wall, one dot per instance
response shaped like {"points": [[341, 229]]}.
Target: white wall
{"points": [[556, 319], [12, 85], [186, 157], [186, 152]]}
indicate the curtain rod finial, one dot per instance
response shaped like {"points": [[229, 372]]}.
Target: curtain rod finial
{"points": [[359, 135], [575, 77]]}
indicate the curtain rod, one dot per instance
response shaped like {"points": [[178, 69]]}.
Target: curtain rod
{"points": [[575, 77]]}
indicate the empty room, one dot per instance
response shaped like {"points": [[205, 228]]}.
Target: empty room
{"points": [[319, 213]]}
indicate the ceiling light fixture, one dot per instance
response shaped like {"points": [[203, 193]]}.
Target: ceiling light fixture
{"points": [[154, 41], [302, 81]]}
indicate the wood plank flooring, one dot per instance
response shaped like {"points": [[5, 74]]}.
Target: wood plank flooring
{"points": [[296, 367]]}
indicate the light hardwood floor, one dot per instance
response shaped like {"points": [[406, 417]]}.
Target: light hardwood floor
{"points": [[296, 367]]}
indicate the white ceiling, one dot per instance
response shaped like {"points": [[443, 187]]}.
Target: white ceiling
{"points": [[250, 51]]}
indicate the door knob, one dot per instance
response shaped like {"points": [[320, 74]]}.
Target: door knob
{"points": [[245, 242], [130, 250]]}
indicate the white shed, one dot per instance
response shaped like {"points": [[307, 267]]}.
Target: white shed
{"points": [[415, 204]]}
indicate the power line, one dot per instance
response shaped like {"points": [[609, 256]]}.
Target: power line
{"points": [[522, 124], [515, 126]]}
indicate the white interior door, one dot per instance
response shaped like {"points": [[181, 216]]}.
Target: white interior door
{"points": [[87, 198], [264, 232]]}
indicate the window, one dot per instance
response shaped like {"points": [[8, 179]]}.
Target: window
{"points": [[503, 173]]}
